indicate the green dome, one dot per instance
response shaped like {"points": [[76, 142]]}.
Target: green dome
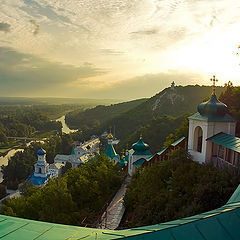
{"points": [[212, 107], [140, 146]]}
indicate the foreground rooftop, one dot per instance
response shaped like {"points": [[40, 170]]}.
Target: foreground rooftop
{"points": [[221, 223]]}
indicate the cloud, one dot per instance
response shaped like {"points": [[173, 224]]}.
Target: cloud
{"points": [[5, 27], [36, 27], [146, 32], [111, 52], [25, 74]]}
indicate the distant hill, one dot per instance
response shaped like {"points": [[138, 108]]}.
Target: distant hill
{"points": [[175, 103], [181, 100], [55, 101], [100, 114]]}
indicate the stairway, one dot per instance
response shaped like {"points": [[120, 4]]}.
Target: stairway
{"points": [[111, 218]]}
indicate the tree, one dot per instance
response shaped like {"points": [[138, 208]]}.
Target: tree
{"points": [[80, 194], [181, 131], [175, 189], [65, 168], [3, 191]]}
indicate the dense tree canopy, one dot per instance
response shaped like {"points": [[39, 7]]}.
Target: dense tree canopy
{"points": [[174, 189], [77, 198]]}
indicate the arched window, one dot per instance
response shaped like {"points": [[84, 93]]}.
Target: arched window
{"points": [[40, 170], [198, 136]]}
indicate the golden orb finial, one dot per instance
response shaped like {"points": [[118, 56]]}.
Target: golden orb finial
{"points": [[110, 136]]}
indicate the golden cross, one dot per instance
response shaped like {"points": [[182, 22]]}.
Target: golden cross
{"points": [[110, 129], [214, 80]]}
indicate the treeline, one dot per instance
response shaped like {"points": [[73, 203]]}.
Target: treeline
{"points": [[231, 97], [21, 165], [94, 117], [76, 199], [175, 189], [24, 122]]}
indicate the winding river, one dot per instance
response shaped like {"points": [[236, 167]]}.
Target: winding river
{"points": [[4, 159], [65, 128]]}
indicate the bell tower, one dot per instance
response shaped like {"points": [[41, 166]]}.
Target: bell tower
{"points": [[212, 118], [41, 167]]}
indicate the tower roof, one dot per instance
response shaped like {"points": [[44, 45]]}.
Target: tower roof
{"points": [[110, 152], [110, 136], [140, 145], [213, 110], [41, 152], [213, 107]]}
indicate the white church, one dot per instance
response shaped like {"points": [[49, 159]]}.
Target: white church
{"points": [[41, 170], [211, 136]]}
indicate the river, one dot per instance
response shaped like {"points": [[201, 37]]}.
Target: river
{"points": [[65, 128], [4, 159]]}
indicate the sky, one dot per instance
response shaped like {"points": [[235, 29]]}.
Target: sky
{"points": [[119, 49]]}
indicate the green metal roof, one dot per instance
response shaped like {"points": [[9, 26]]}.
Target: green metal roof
{"points": [[174, 144], [225, 118], [212, 107], [139, 162], [140, 145], [162, 151], [235, 197], [226, 140], [110, 152], [145, 153], [220, 224]]}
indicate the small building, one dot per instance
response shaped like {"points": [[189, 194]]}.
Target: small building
{"points": [[55, 169], [225, 151], [110, 151], [80, 154], [211, 137], [138, 155], [41, 170], [124, 161], [212, 118]]}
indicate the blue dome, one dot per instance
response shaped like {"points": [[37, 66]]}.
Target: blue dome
{"points": [[140, 146], [213, 107], [41, 152]]}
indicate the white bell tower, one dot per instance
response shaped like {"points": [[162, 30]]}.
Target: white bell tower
{"points": [[212, 118], [41, 167]]}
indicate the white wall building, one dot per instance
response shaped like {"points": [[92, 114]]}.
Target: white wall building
{"points": [[137, 155], [41, 169], [212, 118], [80, 153]]}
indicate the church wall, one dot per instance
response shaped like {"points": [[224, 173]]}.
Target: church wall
{"points": [[217, 127], [209, 129], [132, 159], [197, 156]]}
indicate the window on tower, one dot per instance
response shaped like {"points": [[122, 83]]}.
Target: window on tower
{"points": [[198, 139]]}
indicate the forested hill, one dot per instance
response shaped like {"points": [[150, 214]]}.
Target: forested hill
{"points": [[155, 117], [98, 115], [175, 102]]}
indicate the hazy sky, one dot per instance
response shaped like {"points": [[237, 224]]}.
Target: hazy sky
{"points": [[121, 49]]}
